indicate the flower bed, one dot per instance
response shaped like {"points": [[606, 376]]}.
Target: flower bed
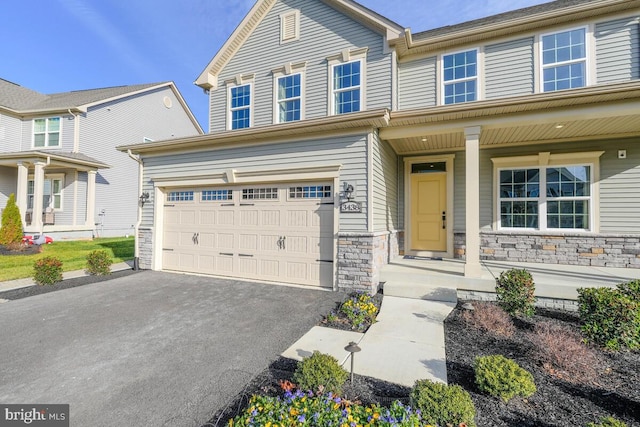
{"points": [[357, 313]]}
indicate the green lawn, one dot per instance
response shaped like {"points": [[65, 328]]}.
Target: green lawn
{"points": [[73, 255]]}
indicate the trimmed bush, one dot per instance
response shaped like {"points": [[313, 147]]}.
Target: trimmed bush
{"points": [[564, 354], [490, 318], [515, 291], [610, 317], [631, 289], [442, 404], [501, 377], [98, 263], [47, 271], [608, 422], [320, 372], [11, 229]]}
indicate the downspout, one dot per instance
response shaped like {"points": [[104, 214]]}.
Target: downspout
{"points": [[136, 249], [76, 131]]}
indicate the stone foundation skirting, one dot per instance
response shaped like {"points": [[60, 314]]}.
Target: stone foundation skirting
{"points": [[596, 250], [543, 302], [145, 247], [360, 258]]}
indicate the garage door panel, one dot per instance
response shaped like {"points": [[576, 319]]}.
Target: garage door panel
{"points": [[276, 236]]}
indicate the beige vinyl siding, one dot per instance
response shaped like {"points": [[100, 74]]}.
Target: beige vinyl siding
{"points": [[618, 50], [323, 32], [508, 69], [385, 186], [122, 122], [349, 151], [417, 83]]}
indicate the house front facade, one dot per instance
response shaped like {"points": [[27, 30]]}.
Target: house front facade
{"points": [[340, 140], [58, 154]]}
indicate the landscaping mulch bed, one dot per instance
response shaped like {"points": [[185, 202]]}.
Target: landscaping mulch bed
{"points": [[340, 320], [30, 291], [558, 402], [20, 250]]}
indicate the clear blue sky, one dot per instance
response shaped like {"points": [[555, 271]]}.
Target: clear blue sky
{"points": [[62, 45]]}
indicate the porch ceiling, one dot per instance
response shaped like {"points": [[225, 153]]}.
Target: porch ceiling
{"points": [[611, 111]]}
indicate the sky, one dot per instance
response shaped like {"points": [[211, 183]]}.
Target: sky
{"points": [[53, 46]]}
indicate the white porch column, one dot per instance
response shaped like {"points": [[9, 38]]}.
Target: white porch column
{"points": [[91, 199], [472, 266], [21, 189], [38, 194]]}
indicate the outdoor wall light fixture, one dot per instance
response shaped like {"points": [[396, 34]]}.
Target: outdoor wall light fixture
{"points": [[348, 191], [144, 197], [352, 348]]}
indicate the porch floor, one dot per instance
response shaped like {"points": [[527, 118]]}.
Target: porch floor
{"points": [[438, 279]]}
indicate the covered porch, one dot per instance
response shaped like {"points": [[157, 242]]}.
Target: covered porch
{"points": [[47, 181], [469, 143]]}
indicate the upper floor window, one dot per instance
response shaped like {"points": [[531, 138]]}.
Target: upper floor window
{"points": [[240, 106], [289, 98], [564, 60], [46, 132], [460, 77], [347, 87]]}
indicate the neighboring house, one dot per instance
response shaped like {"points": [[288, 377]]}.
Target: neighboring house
{"points": [[340, 140], [58, 153]]}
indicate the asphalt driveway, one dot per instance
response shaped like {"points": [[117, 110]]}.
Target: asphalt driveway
{"points": [[150, 349]]}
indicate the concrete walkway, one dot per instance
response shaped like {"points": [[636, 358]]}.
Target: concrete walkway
{"points": [[405, 344]]}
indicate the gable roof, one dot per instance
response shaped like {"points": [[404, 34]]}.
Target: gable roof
{"points": [[378, 23]]}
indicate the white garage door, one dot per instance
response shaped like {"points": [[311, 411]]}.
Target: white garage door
{"points": [[278, 232]]}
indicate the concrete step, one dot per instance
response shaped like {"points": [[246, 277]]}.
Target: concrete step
{"points": [[421, 291]]}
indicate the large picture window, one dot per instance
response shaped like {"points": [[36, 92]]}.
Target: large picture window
{"points": [[46, 132], [460, 77], [546, 197], [564, 60]]}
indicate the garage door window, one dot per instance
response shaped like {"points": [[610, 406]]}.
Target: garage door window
{"points": [[213, 195], [180, 196], [259, 194], [310, 192]]}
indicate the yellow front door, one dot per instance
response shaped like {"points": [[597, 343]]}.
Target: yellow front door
{"points": [[428, 211]]}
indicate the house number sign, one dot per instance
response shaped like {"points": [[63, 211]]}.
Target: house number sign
{"points": [[351, 207]]}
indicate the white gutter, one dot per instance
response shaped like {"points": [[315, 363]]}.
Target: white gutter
{"points": [[136, 249]]}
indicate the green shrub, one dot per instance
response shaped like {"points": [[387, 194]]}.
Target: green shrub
{"points": [[515, 290], [320, 372], [442, 404], [47, 271], [631, 289], [608, 422], [99, 263], [610, 317], [502, 377], [11, 229]]}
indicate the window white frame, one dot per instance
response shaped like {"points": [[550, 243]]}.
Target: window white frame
{"points": [[237, 83], [55, 197], [542, 162], [47, 133], [586, 59], [283, 72], [459, 80], [344, 58], [289, 26]]}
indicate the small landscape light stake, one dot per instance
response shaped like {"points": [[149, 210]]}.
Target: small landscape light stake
{"points": [[352, 348]]}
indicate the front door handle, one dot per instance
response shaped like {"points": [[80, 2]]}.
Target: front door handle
{"points": [[444, 220]]}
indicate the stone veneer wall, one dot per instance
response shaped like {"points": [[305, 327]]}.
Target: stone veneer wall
{"points": [[145, 247], [597, 250], [360, 258], [553, 303]]}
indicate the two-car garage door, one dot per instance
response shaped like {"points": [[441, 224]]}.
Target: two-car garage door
{"points": [[280, 233]]}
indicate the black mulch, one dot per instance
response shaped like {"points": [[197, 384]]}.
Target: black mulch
{"points": [[557, 402], [30, 291]]}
